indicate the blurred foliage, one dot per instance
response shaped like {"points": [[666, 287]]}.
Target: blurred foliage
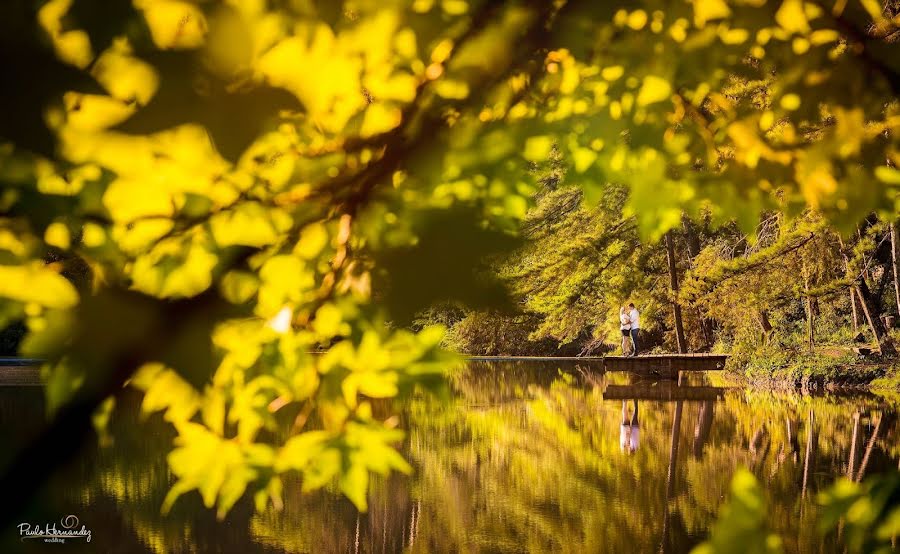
{"points": [[741, 524], [197, 195], [869, 512]]}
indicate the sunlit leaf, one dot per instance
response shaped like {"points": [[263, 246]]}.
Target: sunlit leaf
{"points": [[38, 284]]}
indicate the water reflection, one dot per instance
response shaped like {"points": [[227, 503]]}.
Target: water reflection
{"points": [[629, 431], [525, 457]]}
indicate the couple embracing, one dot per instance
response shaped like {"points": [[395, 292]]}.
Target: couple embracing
{"points": [[630, 324]]}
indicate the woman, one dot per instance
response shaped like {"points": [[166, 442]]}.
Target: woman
{"points": [[629, 431], [625, 327]]}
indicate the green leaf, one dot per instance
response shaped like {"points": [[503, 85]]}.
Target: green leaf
{"points": [[217, 468], [299, 450], [166, 391], [177, 271], [741, 521], [354, 483], [61, 381]]}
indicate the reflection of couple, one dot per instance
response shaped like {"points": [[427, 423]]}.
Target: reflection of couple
{"points": [[629, 433], [630, 324]]}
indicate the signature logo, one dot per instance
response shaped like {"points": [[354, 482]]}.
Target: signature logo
{"points": [[68, 529]]}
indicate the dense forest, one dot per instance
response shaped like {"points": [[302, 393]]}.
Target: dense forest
{"points": [[793, 293]]}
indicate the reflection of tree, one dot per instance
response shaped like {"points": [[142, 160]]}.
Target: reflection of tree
{"points": [[809, 462], [670, 474], [522, 459], [703, 427], [542, 471], [822, 425], [527, 458]]}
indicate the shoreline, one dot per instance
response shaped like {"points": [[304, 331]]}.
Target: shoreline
{"points": [[802, 375]]}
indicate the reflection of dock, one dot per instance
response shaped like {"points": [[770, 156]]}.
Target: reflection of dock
{"points": [[665, 364], [650, 365], [662, 391], [20, 371]]}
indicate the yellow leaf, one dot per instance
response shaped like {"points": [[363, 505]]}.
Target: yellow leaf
{"points": [[874, 8], [57, 234], [405, 43], [174, 24], [283, 277], [130, 199], [71, 46], [125, 77], [613, 72], [654, 89], [249, 224], [584, 158], [354, 483], [708, 10], [37, 284], [179, 271], [299, 450], [313, 239], [452, 89], [93, 112], [334, 95], [327, 322], [887, 175], [537, 149], [790, 102], [378, 119], [791, 17], [166, 391], [239, 286], [850, 130], [455, 7]]}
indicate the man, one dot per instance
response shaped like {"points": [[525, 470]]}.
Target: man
{"points": [[635, 317]]}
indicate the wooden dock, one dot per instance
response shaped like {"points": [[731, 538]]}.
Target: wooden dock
{"points": [[666, 366], [20, 371], [663, 391], [665, 363]]}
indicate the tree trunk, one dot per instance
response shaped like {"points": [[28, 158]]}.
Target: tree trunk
{"points": [[894, 255], [810, 313], [860, 289], [885, 345], [762, 317], [673, 282], [855, 314], [810, 325]]}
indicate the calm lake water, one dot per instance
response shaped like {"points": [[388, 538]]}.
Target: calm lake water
{"points": [[525, 457]]}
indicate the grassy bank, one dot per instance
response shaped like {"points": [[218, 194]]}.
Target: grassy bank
{"points": [[775, 366]]}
